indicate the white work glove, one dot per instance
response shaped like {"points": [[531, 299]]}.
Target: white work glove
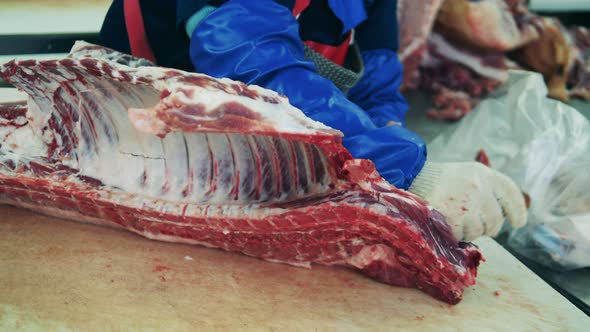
{"points": [[474, 198]]}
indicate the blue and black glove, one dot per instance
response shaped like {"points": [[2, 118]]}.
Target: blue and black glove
{"points": [[257, 42]]}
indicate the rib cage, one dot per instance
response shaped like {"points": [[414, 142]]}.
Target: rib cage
{"points": [[199, 168], [223, 168], [98, 138]]}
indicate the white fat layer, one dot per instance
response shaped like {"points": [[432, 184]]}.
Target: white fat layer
{"points": [[38, 119], [21, 141], [380, 209], [411, 48], [279, 114], [369, 254], [472, 61]]}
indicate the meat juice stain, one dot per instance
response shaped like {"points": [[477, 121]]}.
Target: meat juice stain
{"points": [[300, 284], [51, 251], [348, 282], [483, 158], [161, 268]]}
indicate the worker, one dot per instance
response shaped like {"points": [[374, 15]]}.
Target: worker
{"points": [[336, 61]]}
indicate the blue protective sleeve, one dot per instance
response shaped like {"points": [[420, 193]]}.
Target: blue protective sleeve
{"points": [[257, 42], [377, 92], [398, 153]]}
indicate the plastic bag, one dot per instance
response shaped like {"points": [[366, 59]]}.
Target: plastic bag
{"points": [[544, 146]]}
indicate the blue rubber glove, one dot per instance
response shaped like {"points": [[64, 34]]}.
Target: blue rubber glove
{"points": [[378, 90], [257, 42]]}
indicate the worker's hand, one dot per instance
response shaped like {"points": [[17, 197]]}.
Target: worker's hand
{"points": [[475, 199]]}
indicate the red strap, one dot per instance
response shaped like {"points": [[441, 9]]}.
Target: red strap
{"points": [[140, 45], [300, 6], [336, 54]]}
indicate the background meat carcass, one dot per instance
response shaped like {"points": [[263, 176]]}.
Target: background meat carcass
{"points": [[461, 50]]}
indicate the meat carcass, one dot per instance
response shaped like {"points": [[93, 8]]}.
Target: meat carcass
{"points": [[578, 72], [415, 20], [455, 62], [492, 25], [458, 76], [184, 157]]}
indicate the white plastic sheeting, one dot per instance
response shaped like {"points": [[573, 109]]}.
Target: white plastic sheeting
{"points": [[544, 146]]}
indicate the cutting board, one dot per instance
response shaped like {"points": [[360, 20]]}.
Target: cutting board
{"points": [[61, 275]]}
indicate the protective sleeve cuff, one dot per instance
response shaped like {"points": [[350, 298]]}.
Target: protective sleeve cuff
{"points": [[193, 21], [427, 179]]}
